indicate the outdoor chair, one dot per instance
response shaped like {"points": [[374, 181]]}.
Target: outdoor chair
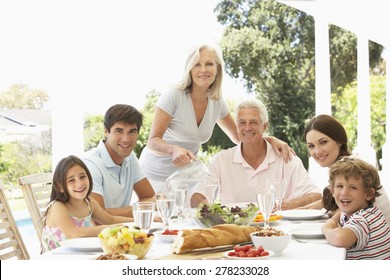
{"points": [[11, 242], [36, 190]]}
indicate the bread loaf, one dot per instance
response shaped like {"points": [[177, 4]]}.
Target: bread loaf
{"points": [[227, 234]]}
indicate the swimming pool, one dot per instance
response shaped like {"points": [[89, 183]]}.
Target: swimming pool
{"points": [[29, 236], [26, 226]]}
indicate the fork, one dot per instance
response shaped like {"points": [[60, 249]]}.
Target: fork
{"points": [[299, 240]]}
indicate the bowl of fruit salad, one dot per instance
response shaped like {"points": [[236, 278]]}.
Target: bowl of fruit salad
{"points": [[125, 240], [208, 215]]}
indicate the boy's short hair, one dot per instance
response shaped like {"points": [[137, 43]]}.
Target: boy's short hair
{"points": [[350, 166]]}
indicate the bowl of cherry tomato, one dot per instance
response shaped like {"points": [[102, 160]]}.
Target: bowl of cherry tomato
{"points": [[167, 235], [248, 251]]}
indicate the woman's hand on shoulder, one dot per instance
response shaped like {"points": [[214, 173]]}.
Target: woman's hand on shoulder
{"points": [[281, 148]]}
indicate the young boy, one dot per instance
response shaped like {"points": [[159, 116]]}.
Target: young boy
{"points": [[360, 227]]}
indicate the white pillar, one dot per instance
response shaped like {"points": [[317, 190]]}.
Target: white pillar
{"points": [[323, 89], [67, 125], [322, 67], [364, 147], [385, 160]]}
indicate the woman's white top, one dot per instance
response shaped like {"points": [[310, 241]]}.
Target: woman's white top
{"points": [[182, 131]]}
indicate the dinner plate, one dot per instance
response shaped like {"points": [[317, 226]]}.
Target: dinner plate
{"points": [[304, 214], [83, 244], [308, 231], [226, 255], [262, 223], [127, 256]]}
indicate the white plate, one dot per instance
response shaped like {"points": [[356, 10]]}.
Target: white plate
{"points": [[226, 255], [262, 223], [165, 237], [308, 231], [128, 257], [309, 214], [84, 244]]}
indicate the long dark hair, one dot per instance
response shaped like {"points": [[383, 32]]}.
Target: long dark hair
{"points": [[59, 191], [332, 128]]}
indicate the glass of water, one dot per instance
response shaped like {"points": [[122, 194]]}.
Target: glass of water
{"points": [[180, 198], [212, 188], [266, 200], [165, 205], [280, 187], [143, 214]]}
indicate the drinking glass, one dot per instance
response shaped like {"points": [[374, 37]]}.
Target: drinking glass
{"points": [[265, 196], [143, 214], [180, 198], [280, 187], [212, 188], [165, 205]]}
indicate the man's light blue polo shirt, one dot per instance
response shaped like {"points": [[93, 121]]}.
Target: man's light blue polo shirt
{"points": [[115, 183]]}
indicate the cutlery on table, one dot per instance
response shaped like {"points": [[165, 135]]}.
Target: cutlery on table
{"points": [[217, 249]]}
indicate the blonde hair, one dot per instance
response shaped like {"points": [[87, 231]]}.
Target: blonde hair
{"points": [[350, 166], [215, 90]]}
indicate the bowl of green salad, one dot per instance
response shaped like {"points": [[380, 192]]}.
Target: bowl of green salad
{"points": [[208, 215]]}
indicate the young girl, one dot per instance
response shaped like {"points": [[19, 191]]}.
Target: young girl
{"points": [[360, 227], [71, 211]]}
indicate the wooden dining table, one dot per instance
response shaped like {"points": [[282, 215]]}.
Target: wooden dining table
{"points": [[300, 248]]}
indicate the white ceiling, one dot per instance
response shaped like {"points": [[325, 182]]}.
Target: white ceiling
{"points": [[370, 18]]}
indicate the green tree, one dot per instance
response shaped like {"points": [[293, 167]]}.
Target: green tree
{"points": [[345, 105], [218, 140], [33, 154], [148, 112], [20, 158], [343, 57], [270, 46], [20, 96], [93, 131]]}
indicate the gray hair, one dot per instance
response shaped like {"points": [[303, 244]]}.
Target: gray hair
{"points": [[253, 103], [215, 90]]}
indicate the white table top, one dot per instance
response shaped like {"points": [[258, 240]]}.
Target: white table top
{"points": [[313, 249]]}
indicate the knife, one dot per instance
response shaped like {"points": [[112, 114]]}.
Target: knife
{"points": [[217, 249], [154, 230]]}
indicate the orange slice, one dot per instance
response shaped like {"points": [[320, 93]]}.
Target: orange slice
{"points": [[274, 217]]}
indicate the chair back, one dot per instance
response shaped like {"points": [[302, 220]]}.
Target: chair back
{"points": [[36, 190], [11, 242]]}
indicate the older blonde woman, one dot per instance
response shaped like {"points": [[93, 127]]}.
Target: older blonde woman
{"points": [[185, 117]]}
